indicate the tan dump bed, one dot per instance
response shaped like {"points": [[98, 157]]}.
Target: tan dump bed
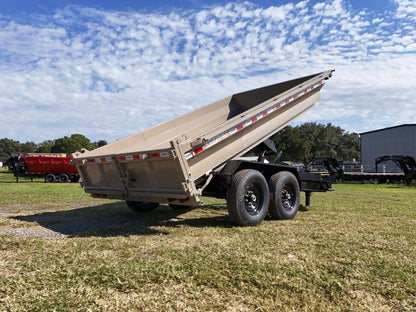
{"points": [[166, 163]]}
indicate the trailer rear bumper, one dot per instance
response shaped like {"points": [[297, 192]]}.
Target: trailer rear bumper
{"points": [[170, 196]]}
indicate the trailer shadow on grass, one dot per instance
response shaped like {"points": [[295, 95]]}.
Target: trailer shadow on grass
{"points": [[116, 219]]}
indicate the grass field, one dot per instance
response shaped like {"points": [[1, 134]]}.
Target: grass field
{"points": [[60, 250]]}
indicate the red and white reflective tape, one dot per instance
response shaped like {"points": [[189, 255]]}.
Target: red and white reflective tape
{"points": [[131, 157], [223, 135], [100, 159]]}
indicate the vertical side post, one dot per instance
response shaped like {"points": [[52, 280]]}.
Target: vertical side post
{"points": [[308, 198]]}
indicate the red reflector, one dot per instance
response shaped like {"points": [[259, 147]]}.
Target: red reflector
{"points": [[156, 155], [254, 119], [122, 158], [240, 127], [278, 106], [171, 199], [92, 160], [264, 114], [198, 150]]}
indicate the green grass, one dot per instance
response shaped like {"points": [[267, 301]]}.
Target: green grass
{"points": [[60, 250]]}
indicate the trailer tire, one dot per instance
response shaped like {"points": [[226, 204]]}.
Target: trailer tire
{"points": [[75, 178], [285, 191], [63, 178], [248, 198], [50, 178], [140, 206]]}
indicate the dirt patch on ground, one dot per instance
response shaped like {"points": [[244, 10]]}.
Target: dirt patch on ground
{"points": [[36, 231], [65, 220], [52, 220]]}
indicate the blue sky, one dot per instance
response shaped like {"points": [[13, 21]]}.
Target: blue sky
{"points": [[48, 6], [107, 69]]}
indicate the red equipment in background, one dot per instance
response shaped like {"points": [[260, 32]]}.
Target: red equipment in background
{"points": [[52, 167]]}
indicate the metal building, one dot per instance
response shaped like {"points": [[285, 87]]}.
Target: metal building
{"points": [[398, 140]]}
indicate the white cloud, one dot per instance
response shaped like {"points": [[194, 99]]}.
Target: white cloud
{"points": [[406, 10], [110, 74]]}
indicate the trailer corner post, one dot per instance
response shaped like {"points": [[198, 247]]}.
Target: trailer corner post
{"points": [[188, 184]]}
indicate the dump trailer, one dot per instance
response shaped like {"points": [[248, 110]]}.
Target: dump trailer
{"points": [[199, 154], [52, 167]]}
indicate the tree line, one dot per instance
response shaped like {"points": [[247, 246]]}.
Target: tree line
{"points": [[66, 145], [297, 143], [317, 141]]}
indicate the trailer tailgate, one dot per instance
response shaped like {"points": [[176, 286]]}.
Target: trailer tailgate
{"points": [[151, 176]]}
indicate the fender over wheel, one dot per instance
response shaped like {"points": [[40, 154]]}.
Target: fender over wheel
{"points": [[140, 206], [248, 198], [285, 191]]}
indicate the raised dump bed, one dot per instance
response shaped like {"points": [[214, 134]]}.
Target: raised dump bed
{"points": [[196, 154]]}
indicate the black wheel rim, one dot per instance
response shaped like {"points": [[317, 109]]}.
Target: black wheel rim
{"points": [[288, 198], [253, 199]]}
